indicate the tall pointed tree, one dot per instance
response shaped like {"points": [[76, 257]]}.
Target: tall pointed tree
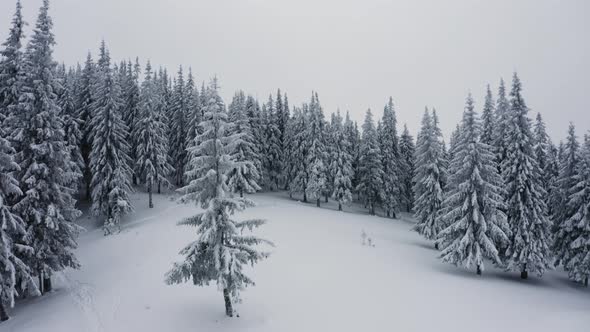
{"points": [[575, 256], [565, 185], [391, 161], [12, 231], [473, 207], [130, 109], [316, 183], [488, 117], [178, 120], [428, 189], [11, 71], [221, 249], [371, 169], [526, 209], [46, 205], [243, 177], [341, 165], [152, 165], [407, 151], [109, 159]]}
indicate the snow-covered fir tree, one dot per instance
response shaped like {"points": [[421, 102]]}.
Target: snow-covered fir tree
{"points": [[178, 121], [503, 117], [71, 127], [407, 151], [575, 255], [109, 159], [193, 115], [221, 249], [428, 188], [130, 109], [565, 183], [152, 165], [272, 145], [243, 177], [12, 230], [341, 165], [46, 206], [354, 139], [488, 117], [282, 119], [525, 206], [391, 161], [298, 161], [316, 152], [475, 224], [545, 155], [370, 168], [84, 101], [11, 71]]}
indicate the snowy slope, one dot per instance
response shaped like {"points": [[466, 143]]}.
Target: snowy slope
{"points": [[320, 278]]}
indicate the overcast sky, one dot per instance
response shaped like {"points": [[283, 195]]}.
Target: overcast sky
{"points": [[354, 53]]}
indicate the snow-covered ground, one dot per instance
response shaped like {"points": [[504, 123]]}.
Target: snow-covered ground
{"points": [[320, 278]]}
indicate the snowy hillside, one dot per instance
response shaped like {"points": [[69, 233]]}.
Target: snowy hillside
{"points": [[319, 278]]}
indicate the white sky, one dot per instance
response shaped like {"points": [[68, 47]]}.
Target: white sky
{"points": [[354, 53]]}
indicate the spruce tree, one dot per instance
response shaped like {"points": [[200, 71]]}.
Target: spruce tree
{"points": [[272, 144], [84, 100], [503, 117], [428, 188], [178, 120], [11, 71], [473, 206], [299, 152], [46, 206], [72, 133], [12, 230], [193, 115], [391, 161], [488, 117], [131, 113], [566, 181], [109, 159], [316, 152], [221, 249], [575, 255], [526, 209], [407, 151], [152, 165], [371, 169], [244, 175], [341, 165]]}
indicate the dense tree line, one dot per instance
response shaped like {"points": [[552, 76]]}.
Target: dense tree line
{"points": [[502, 190]]}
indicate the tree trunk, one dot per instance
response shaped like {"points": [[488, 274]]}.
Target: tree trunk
{"points": [[88, 196], [524, 274], [134, 180], [304, 197], [372, 209], [339, 206], [326, 198], [387, 213], [159, 187], [241, 193], [229, 312], [478, 269], [586, 281], [3, 314], [393, 215], [151, 203], [41, 290], [47, 284], [317, 202], [436, 245]]}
